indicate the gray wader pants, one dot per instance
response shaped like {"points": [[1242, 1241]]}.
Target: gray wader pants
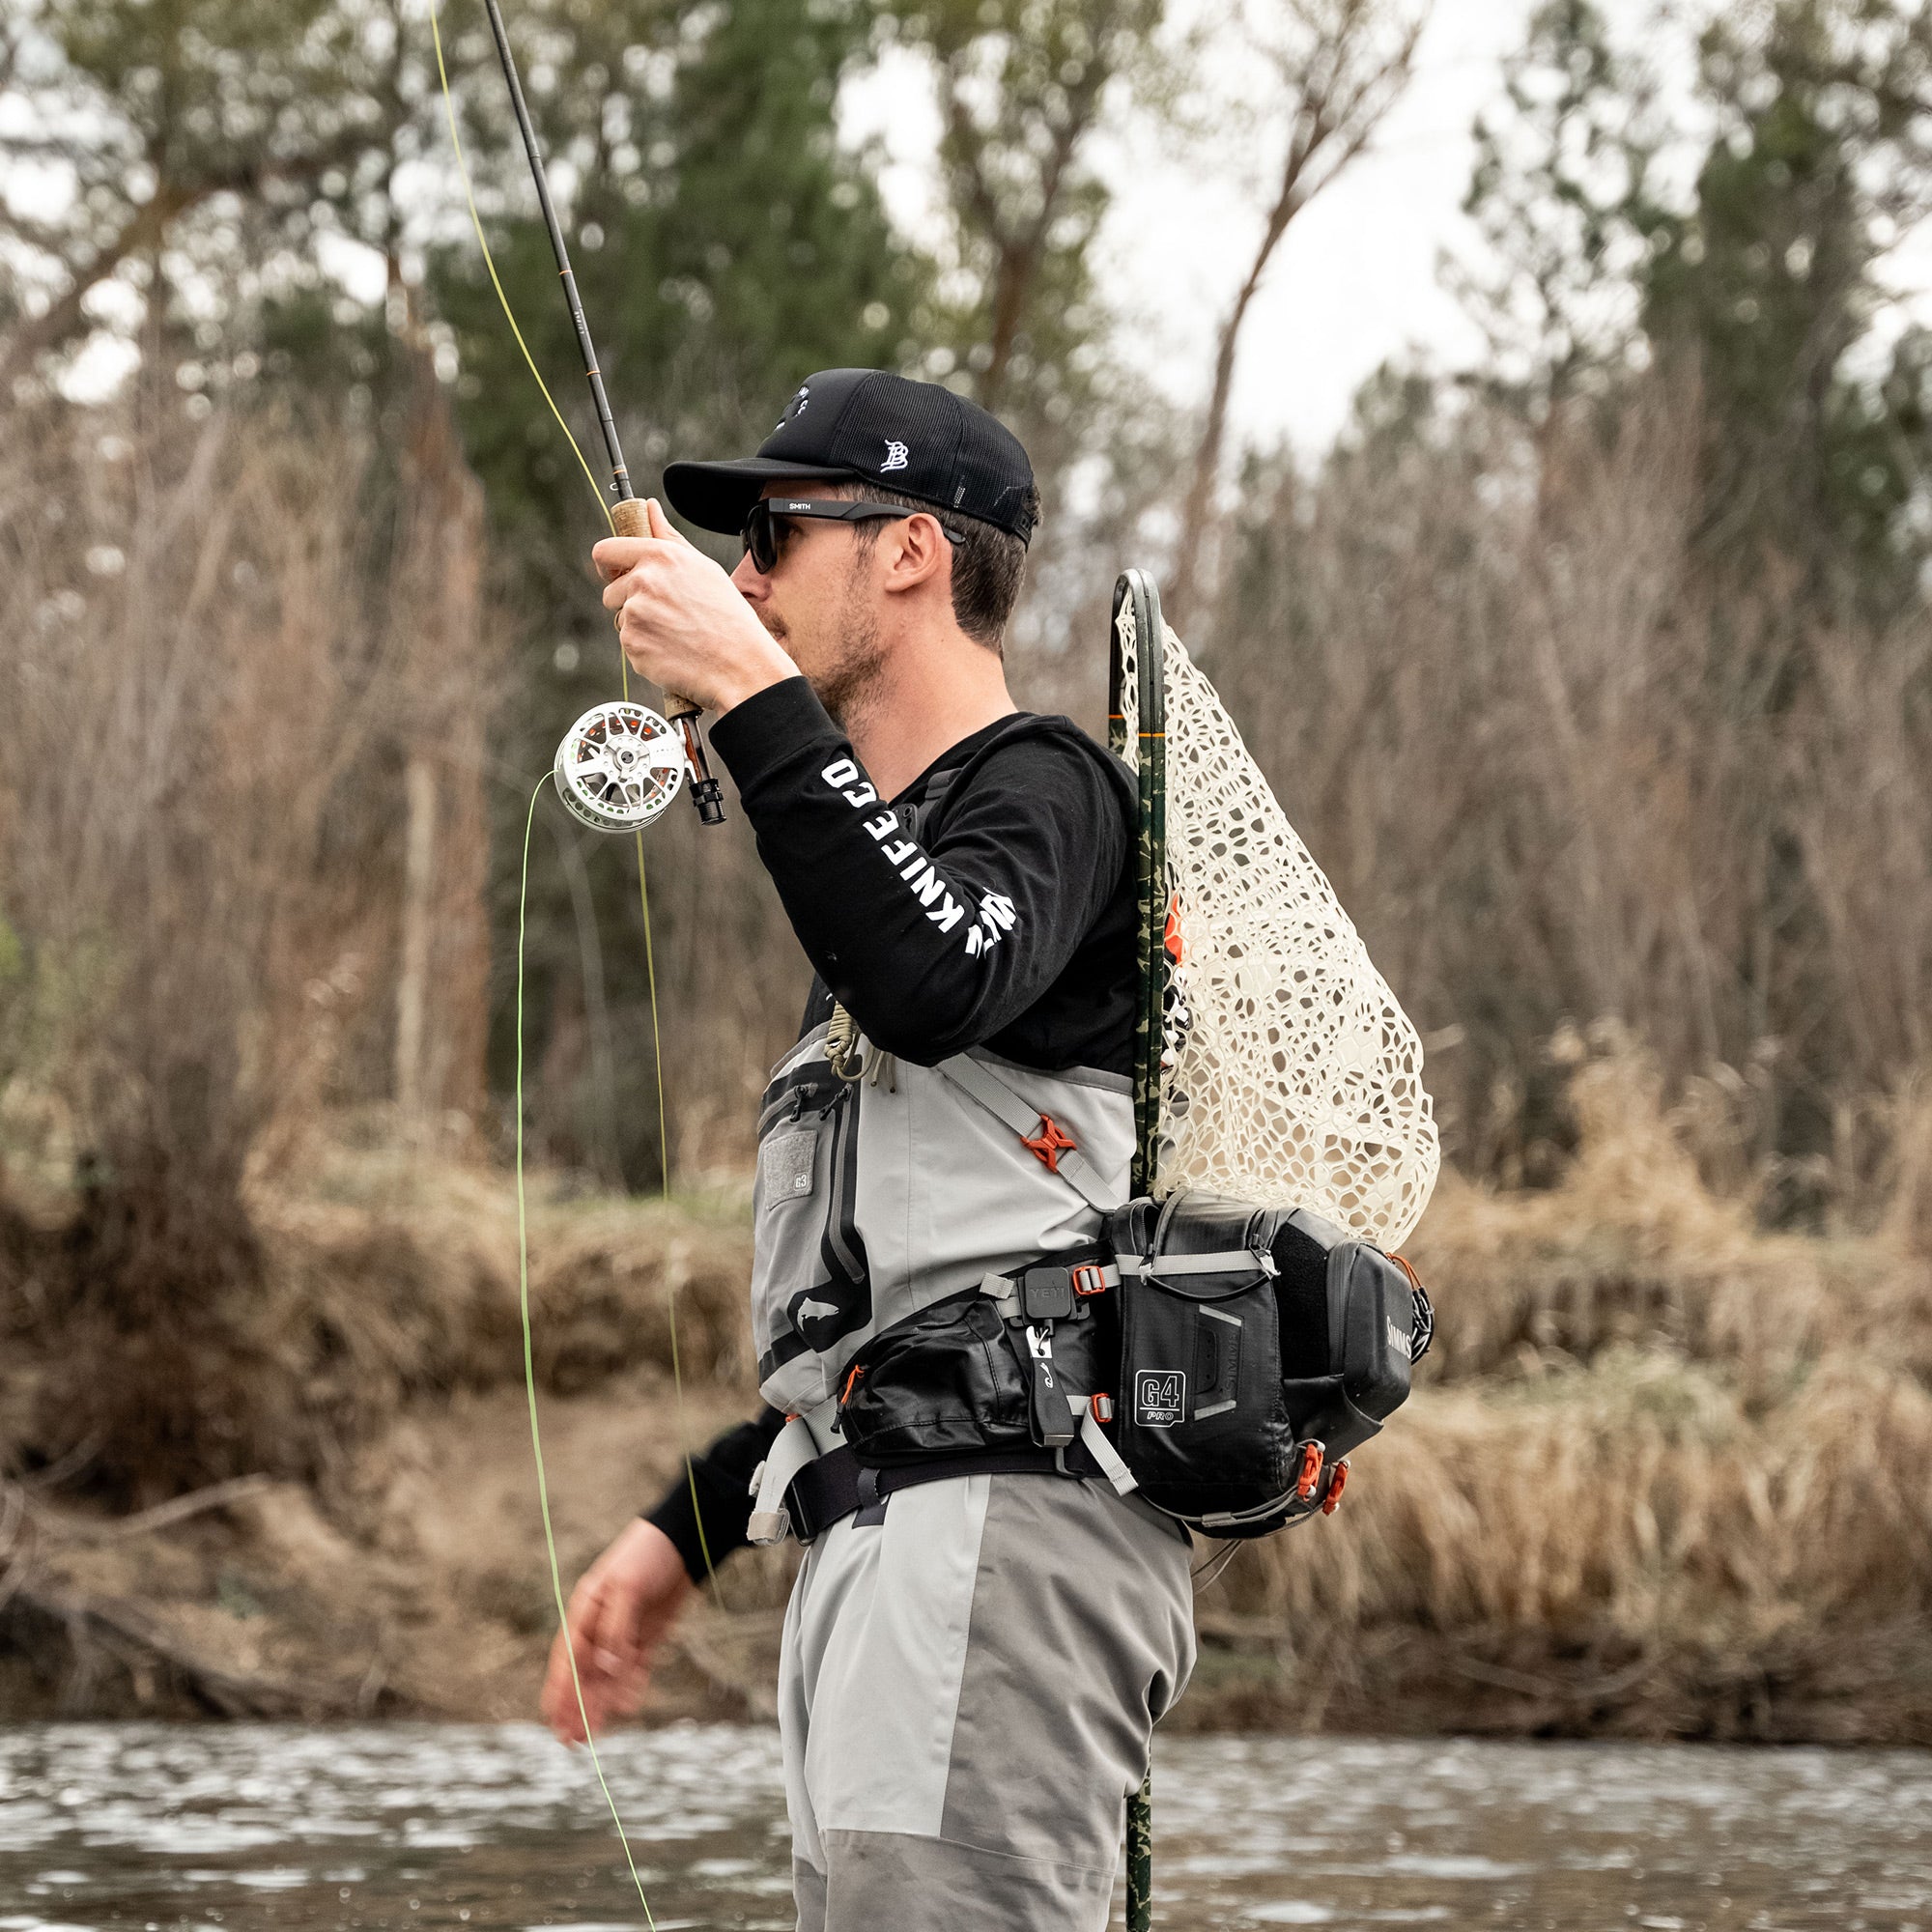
{"points": [[966, 1695]]}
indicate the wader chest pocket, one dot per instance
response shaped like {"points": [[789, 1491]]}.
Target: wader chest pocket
{"points": [[808, 1284], [785, 1164]]}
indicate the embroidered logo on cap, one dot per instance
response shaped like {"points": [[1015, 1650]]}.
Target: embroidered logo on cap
{"points": [[897, 456]]}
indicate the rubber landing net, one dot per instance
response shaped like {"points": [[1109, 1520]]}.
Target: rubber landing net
{"points": [[1290, 1076]]}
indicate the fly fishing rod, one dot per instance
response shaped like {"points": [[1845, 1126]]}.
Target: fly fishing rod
{"points": [[611, 770]]}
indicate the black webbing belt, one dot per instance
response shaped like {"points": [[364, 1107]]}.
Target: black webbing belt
{"points": [[838, 1485]]}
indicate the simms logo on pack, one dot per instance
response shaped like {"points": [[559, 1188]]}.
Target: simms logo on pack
{"points": [[1160, 1397], [897, 456], [1398, 1341]]}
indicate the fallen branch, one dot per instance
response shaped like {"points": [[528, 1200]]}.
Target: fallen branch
{"points": [[216, 1495], [136, 1640], [1523, 1684], [16, 1506]]}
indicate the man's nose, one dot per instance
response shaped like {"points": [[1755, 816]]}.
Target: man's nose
{"points": [[751, 580]]}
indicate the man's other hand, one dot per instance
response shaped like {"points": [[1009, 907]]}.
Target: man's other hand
{"points": [[619, 1613], [682, 622]]}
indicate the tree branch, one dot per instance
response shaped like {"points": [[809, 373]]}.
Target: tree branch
{"points": [[1336, 113]]}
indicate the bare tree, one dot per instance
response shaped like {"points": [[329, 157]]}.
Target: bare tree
{"points": [[1336, 69], [1021, 89], [208, 130], [204, 909]]}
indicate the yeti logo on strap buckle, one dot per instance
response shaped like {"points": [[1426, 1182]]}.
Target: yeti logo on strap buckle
{"points": [[1161, 1398]]}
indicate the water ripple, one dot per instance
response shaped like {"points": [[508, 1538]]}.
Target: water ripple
{"points": [[494, 1828]]}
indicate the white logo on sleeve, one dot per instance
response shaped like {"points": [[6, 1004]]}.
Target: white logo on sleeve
{"points": [[897, 456]]}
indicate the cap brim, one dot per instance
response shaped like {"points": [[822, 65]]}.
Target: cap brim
{"points": [[719, 496]]}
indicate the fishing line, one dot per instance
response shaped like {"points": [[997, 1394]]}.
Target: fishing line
{"points": [[530, 1376], [664, 1173], [657, 1048], [624, 684], [489, 263]]}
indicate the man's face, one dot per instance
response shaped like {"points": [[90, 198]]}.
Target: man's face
{"points": [[820, 602]]}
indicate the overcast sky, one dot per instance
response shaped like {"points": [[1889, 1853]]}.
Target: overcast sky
{"points": [[1354, 281]]}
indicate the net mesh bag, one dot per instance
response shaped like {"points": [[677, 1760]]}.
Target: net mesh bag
{"points": [[1292, 1077]]}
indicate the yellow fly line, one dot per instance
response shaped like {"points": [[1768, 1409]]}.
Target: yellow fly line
{"points": [[657, 1047], [531, 1382]]}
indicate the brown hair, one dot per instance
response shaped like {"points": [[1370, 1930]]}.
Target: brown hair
{"points": [[988, 563]]}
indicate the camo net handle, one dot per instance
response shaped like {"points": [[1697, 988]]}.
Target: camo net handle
{"points": [[1293, 1078]]}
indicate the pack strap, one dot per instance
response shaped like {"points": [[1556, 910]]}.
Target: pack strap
{"points": [[1093, 1440], [794, 1451], [1078, 1274], [1228, 1260], [838, 1485], [1039, 1131]]}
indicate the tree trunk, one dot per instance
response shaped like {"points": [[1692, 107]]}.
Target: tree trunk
{"points": [[418, 912]]}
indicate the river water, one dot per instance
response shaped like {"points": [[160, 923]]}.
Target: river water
{"points": [[218, 1828]]}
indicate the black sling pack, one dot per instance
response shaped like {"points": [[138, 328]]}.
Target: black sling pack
{"points": [[1257, 1348]]}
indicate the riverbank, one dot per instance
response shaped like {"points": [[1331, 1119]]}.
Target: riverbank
{"points": [[1664, 1475]]}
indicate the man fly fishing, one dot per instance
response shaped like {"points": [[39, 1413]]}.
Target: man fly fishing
{"points": [[983, 1632]]}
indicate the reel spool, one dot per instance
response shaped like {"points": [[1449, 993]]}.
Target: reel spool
{"points": [[619, 766]]}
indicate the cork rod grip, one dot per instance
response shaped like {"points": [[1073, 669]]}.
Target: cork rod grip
{"points": [[628, 518]]}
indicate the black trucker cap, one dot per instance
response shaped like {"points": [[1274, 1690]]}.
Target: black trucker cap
{"points": [[913, 439]]}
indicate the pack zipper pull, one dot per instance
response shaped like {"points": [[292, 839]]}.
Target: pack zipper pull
{"points": [[1052, 1416]]}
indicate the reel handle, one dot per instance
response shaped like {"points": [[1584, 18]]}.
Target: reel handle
{"points": [[630, 519]]}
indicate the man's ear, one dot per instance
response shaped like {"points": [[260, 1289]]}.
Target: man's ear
{"points": [[920, 553]]}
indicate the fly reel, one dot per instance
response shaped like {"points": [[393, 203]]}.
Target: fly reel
{"points": [[619, 766]]}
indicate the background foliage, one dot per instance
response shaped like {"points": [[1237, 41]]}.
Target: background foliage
{"points": [[1599, 674]]}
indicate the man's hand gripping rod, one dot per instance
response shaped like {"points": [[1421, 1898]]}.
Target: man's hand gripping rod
{"points": [[627, 513]]}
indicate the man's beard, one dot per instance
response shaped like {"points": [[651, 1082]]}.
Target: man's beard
{"points": [[844, 686]]}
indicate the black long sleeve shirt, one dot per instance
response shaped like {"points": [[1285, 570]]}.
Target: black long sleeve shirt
{"points": [[1011, 926]]}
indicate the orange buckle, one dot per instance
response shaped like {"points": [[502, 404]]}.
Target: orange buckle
{"points": [[1311, 1471], [1333, 1501], [1089, 1278], [1049, 1144], [1102, 1407]]}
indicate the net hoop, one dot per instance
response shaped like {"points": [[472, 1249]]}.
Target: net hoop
{"points": [[1290, 1076]]}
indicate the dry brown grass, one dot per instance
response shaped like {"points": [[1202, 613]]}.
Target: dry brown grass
{"points": [[1563, 762], [404, 1571], [394, 1277], [1633, 1246], [222, 642], [1665, 1474]]}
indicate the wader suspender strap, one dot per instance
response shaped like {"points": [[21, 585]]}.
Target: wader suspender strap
{"points": [[978, 1080]]}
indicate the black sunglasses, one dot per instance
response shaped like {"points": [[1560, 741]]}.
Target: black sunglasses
{"points": [[765, 530]]}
